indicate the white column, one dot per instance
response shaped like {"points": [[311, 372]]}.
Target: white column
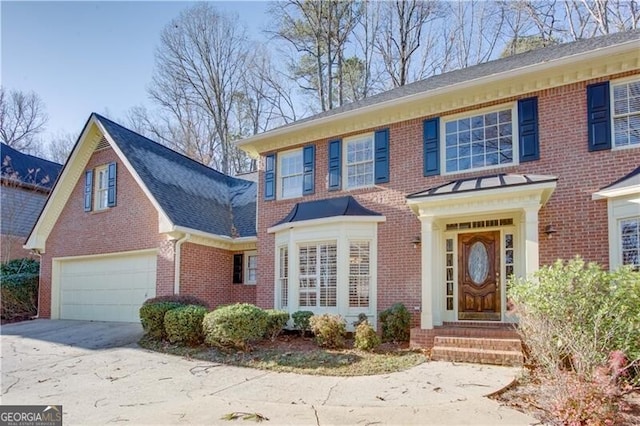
{"points": [[531, 250], [428, 266]]}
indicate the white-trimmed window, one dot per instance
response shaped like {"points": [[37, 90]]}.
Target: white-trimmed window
{"points": [[317, 275], [480, 140], [630, 241], [625, 97], [101, 186], [290, 174], [250, 267], [359, 164], [359, 274], [283, 276]]}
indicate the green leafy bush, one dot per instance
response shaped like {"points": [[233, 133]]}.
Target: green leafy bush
{"points": [[234, 325], [181, 299], [20, 266], [276, 320], [330, 330], [184, 324], [19, 295], [573, 315], [366, 338], [152, 317], [396, 323], [301, 320]]}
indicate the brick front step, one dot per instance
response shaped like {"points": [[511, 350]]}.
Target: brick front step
{"points": [[481, 356], [513, 345]]}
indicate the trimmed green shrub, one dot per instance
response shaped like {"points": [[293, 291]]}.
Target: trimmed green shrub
{"points": [[234, 325], [366, 338], [184, 324], [20, 266], [180, 299], [301, 320], [19, 295], [396, 323], [152, 317], [330, 330], [276, 320]]}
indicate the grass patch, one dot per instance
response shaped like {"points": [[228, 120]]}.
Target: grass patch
{"points": [[302, 357]]}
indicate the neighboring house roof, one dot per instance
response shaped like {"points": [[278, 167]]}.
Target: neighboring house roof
{"points": [[28, 170], [192, 195], [320, 209], [480, 183], [502, 70], [627, 184]]}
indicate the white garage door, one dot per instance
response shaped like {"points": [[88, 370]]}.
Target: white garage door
{"points": [[106, 288]]}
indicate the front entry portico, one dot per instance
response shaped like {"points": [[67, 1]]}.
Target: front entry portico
{"points": [[476, 233]]}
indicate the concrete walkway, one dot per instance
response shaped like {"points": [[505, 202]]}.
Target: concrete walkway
{"points": [[99, 375]]}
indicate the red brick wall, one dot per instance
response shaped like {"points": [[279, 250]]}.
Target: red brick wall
{"points": [[11, 248], [131, 225], [581, 222], [207, 272]]}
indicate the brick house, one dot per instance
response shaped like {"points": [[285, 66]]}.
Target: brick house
{"points": [[432, 194], [130, 219], [26, 183]]}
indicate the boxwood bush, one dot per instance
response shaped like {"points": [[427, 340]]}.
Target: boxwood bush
{"points": [[301, 320], [276, 320], [153, 310], [234, 326], [366, 338], [330, 330], [396, 323], [184, 324]]}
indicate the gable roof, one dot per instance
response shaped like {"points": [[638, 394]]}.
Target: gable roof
{"points": [[191, 194], [28, 170], [190, 198], [534, 61]]}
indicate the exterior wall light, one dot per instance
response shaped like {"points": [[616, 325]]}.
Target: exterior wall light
{"points": [[550, 230]]}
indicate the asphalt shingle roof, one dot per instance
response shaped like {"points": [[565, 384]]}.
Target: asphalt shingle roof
{"points": [[191, 194], [27, 169], [486, 69]]}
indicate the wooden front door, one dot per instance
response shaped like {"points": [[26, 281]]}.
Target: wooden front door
{"points": [[479, 276]]}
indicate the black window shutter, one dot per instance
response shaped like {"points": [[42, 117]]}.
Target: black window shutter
{"points": [[381, 166], [88, 190], [238, 266], [270, 177], [599, 116], [308, 164], [335, 165], [431, 141], [111, 185], [528, 129]]}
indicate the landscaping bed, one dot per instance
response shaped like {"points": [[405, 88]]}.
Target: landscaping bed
{"points": [[291, 352]]}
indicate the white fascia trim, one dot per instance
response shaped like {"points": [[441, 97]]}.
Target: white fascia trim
{"points": [[615, 193], [325, 221], [164, 218], [498, 192], [608, 51], [215, 237]]}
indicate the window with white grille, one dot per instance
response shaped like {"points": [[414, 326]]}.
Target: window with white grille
{"points": [[359, 274], [290, 174], [283, 276], [317, 275], [626, 113], [102, 188], [630, 241], [359, 165]]}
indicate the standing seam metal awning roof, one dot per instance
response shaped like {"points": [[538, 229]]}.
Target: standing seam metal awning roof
{"points": [[320, 209], [480, 183]]}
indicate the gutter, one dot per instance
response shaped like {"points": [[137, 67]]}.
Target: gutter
{"points": [[177, 256]]}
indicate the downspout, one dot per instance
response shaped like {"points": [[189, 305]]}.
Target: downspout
{"points": [[178, 250], [39, 254]]}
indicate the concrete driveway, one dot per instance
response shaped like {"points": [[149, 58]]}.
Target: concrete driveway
{"points": [[100, 375]]}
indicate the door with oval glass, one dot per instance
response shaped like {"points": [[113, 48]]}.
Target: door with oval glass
{"points": [[479, 276]]}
